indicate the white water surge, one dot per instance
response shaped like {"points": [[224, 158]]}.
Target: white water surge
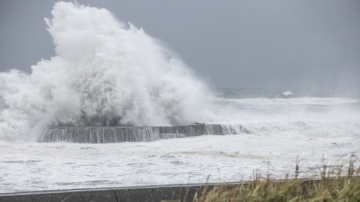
{"points": [[105, 73], [108, 74]]}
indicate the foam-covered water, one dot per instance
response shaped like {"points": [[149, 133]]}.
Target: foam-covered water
{"points": [[106, 73], [49, 166], [308, 116]]}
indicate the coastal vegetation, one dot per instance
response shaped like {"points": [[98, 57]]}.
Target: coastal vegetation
{"points": [[333, 183]]}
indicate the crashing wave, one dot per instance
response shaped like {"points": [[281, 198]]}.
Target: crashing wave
{"points": [[286, 94], [104, 73]]}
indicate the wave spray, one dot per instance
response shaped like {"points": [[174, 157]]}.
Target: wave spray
{"points": [[104, 73]]}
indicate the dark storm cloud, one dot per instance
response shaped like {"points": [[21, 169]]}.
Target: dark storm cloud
{"points": [[229, 43]]}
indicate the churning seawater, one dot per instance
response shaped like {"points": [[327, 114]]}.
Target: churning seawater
{"points": [[108, 73], [273, 133]]}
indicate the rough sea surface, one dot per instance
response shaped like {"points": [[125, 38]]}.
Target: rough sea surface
{"points": [[109, 73], [278, 131]]}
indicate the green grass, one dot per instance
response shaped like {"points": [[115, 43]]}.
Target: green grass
{"points": [[336, 183]]}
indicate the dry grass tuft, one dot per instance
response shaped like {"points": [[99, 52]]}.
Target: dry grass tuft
{"points": [[336, 183]]}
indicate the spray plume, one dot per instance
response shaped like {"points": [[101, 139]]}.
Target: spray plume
{"points": [[104, 73]]}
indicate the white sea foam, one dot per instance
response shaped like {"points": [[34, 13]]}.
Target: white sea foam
{"points": [[209, 158], [290, 101], [105, 73], [318, 117]]}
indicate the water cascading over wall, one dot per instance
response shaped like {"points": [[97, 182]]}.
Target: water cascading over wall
{"points": [[134, 134]]}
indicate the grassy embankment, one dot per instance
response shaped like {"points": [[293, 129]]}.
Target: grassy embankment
{"points": [[334, 183]]}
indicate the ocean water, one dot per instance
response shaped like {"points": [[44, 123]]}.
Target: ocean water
{"points": [[110, 73], [275, 132]]}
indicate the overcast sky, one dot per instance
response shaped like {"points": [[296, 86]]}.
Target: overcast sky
{"points": [[238, 44]]}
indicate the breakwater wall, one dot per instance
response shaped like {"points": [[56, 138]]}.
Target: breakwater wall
{"points": [[133, 134]]}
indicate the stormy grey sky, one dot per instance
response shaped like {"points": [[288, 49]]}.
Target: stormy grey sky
{"points": [[239, 44]]}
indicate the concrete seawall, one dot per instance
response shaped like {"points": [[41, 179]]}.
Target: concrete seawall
{"points": [[126, 134], [169, 193]]}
